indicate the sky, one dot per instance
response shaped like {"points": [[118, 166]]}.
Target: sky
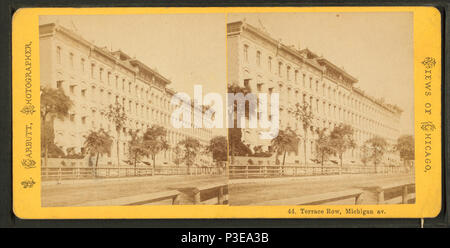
{"points": [[376, 48]]}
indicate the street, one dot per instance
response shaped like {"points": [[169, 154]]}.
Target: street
{"points": [[79, 192], [252, 191], [241, 191]]}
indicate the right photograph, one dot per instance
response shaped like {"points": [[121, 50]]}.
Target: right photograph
{"points": [[321, 108]]}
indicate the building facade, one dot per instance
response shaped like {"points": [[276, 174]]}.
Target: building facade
{"points": [[95, 77], [263, 63]]}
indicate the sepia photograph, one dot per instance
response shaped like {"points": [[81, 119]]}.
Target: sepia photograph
{"points": [[340, 114], [227, 113], [110, 90], [228, 108]]}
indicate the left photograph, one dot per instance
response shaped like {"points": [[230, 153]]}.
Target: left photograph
{"points": [[131, 110]]}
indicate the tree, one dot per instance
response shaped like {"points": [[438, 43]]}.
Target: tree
{"points": [[365, 154], [54, 104], [165, 146], [154, 139], [116, 114], [236, 146], [178, 155], [324, 147], [190, 148], [341, 139], [98, 143], [303, 113], [136, 147], [377, 147], [285, 141], [218, 147], [405, 146]]}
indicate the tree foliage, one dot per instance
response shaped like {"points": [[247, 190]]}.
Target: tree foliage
{"points": [[324, 147], [54, 104], [236, 146], [136, 147], [285, 141], [341, 140], [190, 148], [304, 114], [405, 146], [117, 115], [377, 147], [218, 147], [154, 139], [98, 143]]}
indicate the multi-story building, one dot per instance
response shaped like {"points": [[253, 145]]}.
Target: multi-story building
{"points": [[95, 77], [263, 63]]}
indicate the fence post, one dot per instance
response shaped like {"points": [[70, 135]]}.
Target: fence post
{"points": [[405, 194], [246, 171], [196, 196], [220, 196], [176, 200], [380, 196], [59, 175], [358, 199]]}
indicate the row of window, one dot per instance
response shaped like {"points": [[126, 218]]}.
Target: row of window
{"points": [[120, 83], [313, 85]]}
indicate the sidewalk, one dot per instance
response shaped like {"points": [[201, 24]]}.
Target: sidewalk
{"points": [[311, 178], [117, 179]]}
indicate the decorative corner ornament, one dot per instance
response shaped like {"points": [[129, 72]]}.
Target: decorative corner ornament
{"points": [[429, 62], [28, 163], [28, 183], [28, 109], [427, 126]]}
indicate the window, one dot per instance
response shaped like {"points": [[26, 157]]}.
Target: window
{"points": [[100, 74], [296, 76], [83, 92], [72, 89], [288, 71], [83, 120], [71, 60], [269, 64], [279, 68], [59, 84], [72, 117], [58, 55], [246, 53], [92, 71], [304, 80], [108, 79], [82, 65], [117, 82], [258, 58], [93, 93]]}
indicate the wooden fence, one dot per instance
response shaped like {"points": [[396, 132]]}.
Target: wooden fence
{"points": [[266, 171], [318, 199], [65, 173], [212, 194], [143, 199], [397, 193]]}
